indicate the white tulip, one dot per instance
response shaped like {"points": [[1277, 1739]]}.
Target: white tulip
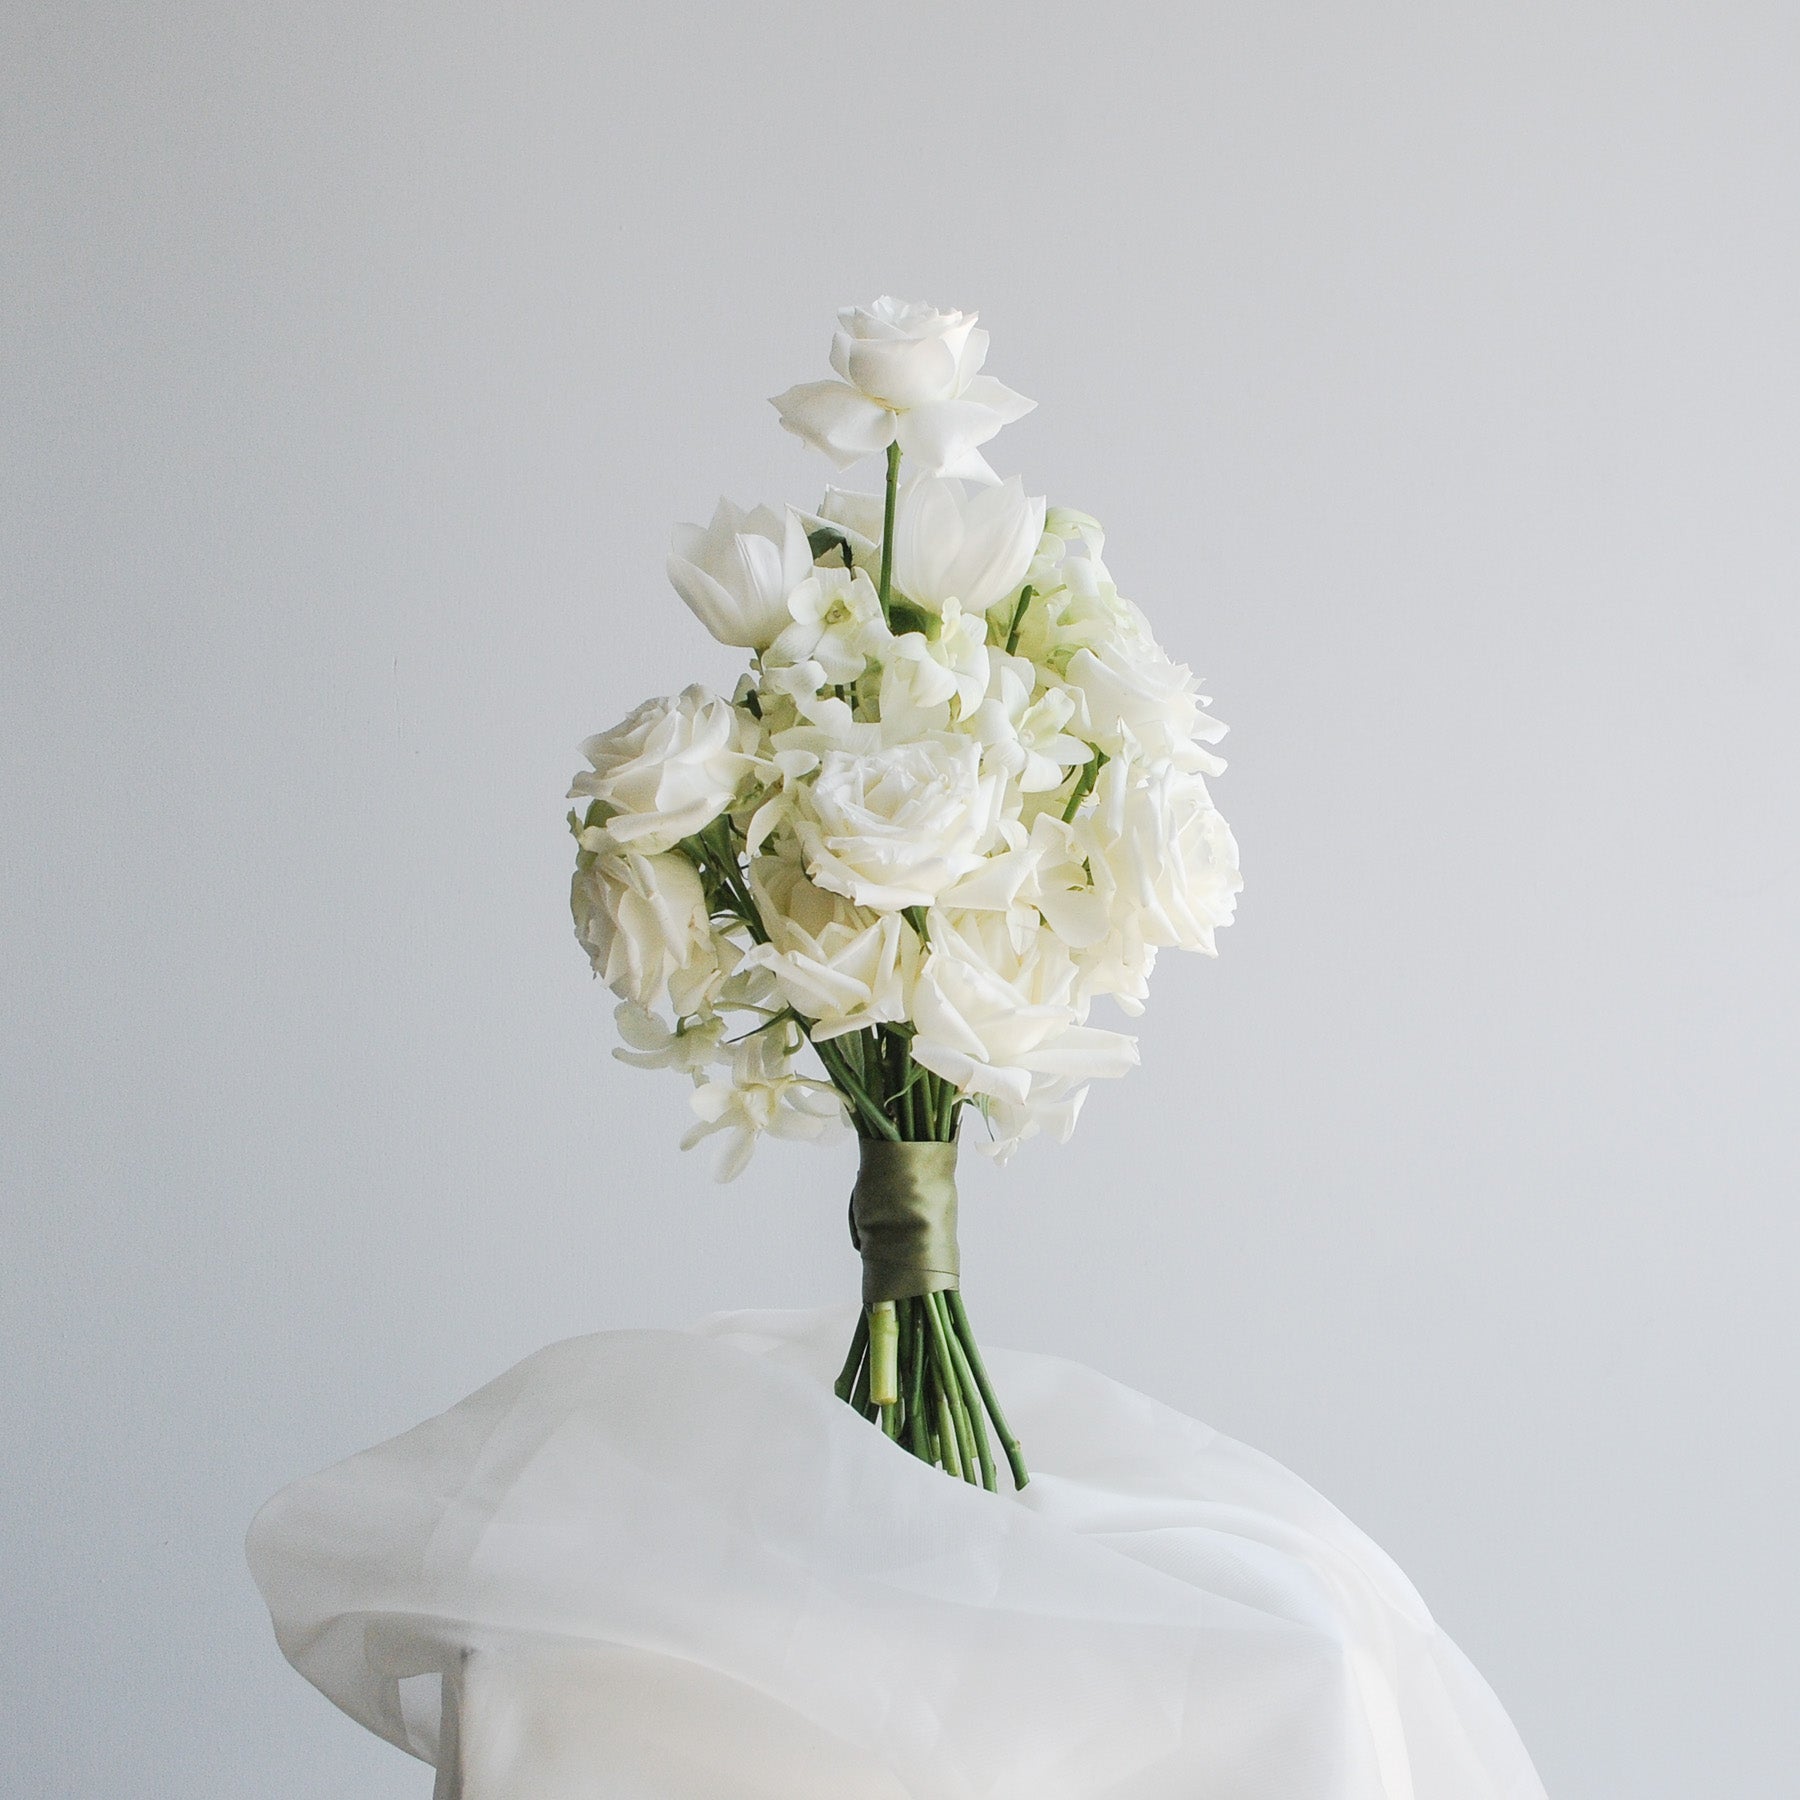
{"points": [[955, 541], [665, 772], [893, 827], [643, 922], [910, 373], [952, 539], [858, 517], [739, 573]]}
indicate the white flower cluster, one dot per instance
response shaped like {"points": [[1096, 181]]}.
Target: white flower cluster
{"points": [[959, 795]]}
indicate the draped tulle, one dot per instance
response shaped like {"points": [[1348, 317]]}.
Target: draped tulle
{"points": [[669, 1565]]}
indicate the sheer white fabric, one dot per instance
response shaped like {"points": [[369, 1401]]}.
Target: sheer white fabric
{"points": [[667, 1565]]}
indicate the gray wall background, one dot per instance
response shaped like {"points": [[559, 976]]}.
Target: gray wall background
{"points": [[1434, 368]]}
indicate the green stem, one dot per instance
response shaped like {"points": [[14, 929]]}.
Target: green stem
{"points": [[1084, 783], [950, 1386], [959, 1317], [972, 1401], [912, 1354], [1018, 619], [887, 528], [838, 1068], [946, 1433], [859, 1343]]}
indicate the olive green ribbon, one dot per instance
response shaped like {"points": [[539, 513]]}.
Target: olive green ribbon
{"points": [[903, 1219]]}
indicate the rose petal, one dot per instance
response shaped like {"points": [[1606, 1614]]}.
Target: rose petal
{"points": [[835, 418]]}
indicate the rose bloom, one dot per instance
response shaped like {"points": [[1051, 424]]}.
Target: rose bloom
{"points": [[643, 922], [1003, 1021], [1139, 698], [666, 772], [893, 827], [1164, 854], [909, 373], [839, 967]]}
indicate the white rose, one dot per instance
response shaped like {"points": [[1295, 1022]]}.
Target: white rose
{"points": [[666, 772], [909, 373], [1139, 699], [839, 967], [644, 924], [738, 573], [1003, 1022], [955, 541], [893, 827], [1159, 846]]}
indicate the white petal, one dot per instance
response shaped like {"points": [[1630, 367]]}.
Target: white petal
{"points": [[938, 436], [974, 354], [736, 1157], [796, 552], [835, 418], [999, 399], [900, 372], [859, 515], [707, 600], [928, 538], [969, 464]]}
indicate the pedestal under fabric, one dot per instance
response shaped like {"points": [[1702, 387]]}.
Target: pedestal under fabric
{"points": [[670, 1565]]}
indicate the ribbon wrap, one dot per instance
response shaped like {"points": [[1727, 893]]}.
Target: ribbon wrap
{"points": [[903, 1219]]}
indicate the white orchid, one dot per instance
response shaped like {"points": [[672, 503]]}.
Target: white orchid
{"points": [[690, 1046], [740, 573], [762, 1093], [1024, 736], [834, 619], [911, 376]]}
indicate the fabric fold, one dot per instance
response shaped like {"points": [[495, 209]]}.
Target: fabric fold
{"points": [[662, 1565]]}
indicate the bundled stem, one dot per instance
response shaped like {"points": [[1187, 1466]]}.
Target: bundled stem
{"points": [[944, 1397]]}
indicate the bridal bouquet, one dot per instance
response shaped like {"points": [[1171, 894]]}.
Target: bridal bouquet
{"points": [[958, 796]]}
